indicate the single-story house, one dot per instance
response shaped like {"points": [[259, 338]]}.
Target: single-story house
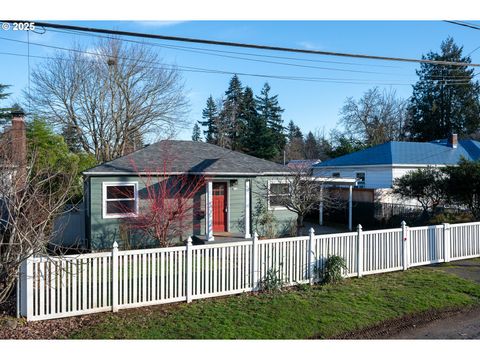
{"points": [[234, 183], [377, 167]]}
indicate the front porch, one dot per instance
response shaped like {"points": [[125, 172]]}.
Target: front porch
{"points": [[227, 204]]}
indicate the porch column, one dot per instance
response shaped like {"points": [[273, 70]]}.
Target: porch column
{"points": [[320, 220], [209, 212], [350, 207], [247, 210]]}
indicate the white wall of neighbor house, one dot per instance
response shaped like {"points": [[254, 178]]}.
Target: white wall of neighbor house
{"points": [[375, 177]]}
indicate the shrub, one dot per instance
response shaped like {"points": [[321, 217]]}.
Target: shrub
{"points": [[272, 281], [333, 269]]}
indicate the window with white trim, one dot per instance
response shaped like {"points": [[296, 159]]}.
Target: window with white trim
{"points": [[278, 191], [120, 199], [360, 176]]}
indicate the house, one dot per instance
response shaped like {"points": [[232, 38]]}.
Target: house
{"points": [[302, 165], [377, 167], [234, 183]]}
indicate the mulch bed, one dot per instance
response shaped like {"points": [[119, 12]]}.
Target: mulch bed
{"points": [[389, 328], [13, 328]]}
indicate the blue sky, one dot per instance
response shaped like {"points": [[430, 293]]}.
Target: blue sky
{"points": [[312, 105]]}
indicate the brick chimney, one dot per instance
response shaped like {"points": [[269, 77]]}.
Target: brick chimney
{"points": [[453, 141], [18, 138]]}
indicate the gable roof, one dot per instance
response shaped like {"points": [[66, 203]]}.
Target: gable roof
{"points": [[416, 153], [193, 157]]}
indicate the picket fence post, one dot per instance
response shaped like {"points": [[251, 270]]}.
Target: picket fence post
{"points": [[405, 254], [311, 256], [359, 250], [26, 291], [189, 284], [446, 242], [115, 277], [255, 280]]}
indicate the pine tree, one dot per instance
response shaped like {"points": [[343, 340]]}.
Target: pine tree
{"points": [[446, 98], [231, 109], [210, 115], [196, 136], [311, 147], [271, 112], [254, 135]]}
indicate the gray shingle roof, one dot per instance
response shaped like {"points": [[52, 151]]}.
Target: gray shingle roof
{"points": [[178, 156]]}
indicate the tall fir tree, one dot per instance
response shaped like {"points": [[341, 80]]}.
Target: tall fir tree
{"points": [[312, 150], [445, 98], [70, 136], [255, 138], [196, 135], [269, 109], [4, 112], [295, 149], [231, 110], [210, 116]]}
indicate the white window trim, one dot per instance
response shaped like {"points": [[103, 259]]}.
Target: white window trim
{"points": [[269, 182], [104, 198]]}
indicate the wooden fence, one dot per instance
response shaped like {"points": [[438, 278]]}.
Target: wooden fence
{"points": [[55, 287]]}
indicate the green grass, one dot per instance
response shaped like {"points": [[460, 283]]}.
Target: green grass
{"points": [[321, 311]]}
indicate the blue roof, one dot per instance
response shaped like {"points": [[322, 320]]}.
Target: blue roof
{"points": [[400, 152]]}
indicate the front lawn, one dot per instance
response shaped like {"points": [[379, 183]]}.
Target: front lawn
{"points": [[297, 313]]}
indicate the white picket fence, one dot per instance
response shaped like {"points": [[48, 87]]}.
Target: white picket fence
{"points": [[55, 287]]}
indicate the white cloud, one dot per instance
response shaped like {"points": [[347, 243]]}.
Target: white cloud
{"points": [[160, 23], [309, 45]]}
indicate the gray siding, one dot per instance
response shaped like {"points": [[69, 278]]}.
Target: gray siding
{"points": [[103, 232]]}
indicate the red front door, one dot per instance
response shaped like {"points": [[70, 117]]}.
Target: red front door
{"points": [[219, 207]]}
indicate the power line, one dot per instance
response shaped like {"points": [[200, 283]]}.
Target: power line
{"points": [[461, 23], [214, 52], [280, 77], [244, 45]]}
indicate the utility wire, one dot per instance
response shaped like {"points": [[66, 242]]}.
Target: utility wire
{"points": [[461, 23], [221, 72], [244, 45], [206, 70]]}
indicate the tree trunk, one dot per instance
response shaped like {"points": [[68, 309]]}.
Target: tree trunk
{"points": [[299, 224]]}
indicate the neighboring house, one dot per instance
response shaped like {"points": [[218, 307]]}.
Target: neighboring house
{"points": [[234, 183], [377, 167]]}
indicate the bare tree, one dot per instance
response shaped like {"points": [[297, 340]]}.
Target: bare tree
{"points": [[168, 209], [110, 96], [377, 117], [302, 193], [30, 199]]}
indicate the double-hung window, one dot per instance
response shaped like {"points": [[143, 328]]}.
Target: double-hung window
{"points": [[278, 192], [120, 199]]}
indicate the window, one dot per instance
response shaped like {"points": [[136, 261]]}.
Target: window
{"points": [[336, 175], [120, 199], [277, 192], [360, 176]]}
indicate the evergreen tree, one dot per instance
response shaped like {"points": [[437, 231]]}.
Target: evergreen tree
{"points": [[196, 136], [271, 112], [295, 149], [255, 138], [311, 147], [446, 98], [70, 136], [210, 116], [4, 112], [231, 109]]}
